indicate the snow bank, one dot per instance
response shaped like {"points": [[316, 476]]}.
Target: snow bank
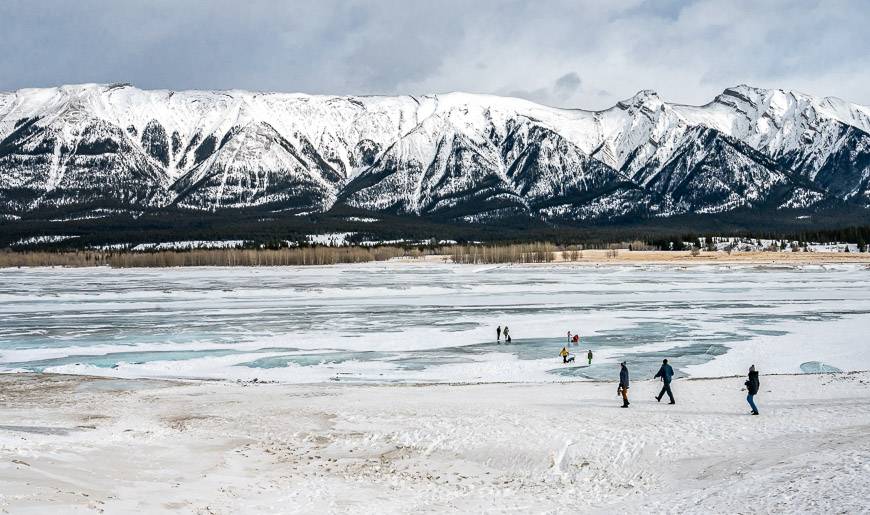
{"points": [[498, 448]]}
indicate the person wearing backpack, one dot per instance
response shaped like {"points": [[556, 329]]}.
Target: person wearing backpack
{"points": [[752, 385]]}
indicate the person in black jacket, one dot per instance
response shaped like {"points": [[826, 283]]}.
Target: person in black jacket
{"points": [[623, 385], [666, 372], [752, 386]]}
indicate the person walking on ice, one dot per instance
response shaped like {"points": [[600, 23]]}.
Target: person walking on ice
{"points": [[507, 335], [564, 353], [623, 385], [752, 386], [498, 334], [589, 356], [666, 373]]}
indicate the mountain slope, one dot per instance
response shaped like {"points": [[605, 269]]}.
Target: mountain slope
{"points": [[89, 163], [710, 172], [255, 165]]}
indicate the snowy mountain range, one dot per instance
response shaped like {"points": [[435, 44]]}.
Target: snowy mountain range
{"points": [[456, 156]]}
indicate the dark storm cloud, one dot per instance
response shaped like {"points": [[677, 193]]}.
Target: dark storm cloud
{"points": [[312, 46], [688, 50]]}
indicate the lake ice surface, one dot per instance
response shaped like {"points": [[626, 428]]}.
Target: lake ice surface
{"points": [[421, 323]]}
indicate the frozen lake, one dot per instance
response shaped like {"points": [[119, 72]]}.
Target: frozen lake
{"points": [[401, 322]]}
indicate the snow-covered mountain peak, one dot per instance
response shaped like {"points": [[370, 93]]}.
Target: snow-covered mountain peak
{"points": [[773, 102], [780, 103], [742, 91], [646, 98]]}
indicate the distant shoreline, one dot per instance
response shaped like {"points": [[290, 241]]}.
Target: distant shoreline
{"points": [[721, 257], [661, 257], [320, 256]]}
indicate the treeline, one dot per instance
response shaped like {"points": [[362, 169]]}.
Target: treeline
{"points": [[491, 254], [467, 254], [320, 255], [271, 228], [323, 255], [215, 257], [855, 234]]}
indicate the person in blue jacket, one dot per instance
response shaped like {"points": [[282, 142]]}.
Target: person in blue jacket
{"points": [[666, 373], [623, 385]]}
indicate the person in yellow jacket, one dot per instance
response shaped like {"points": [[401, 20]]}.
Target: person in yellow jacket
{"points": [[564, 354]]}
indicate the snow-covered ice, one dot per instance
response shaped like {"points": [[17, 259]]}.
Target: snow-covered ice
{"points": [[431, 323], [393, 418]]}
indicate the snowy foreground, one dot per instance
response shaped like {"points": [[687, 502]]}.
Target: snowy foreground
{"points": [[76, 444]]}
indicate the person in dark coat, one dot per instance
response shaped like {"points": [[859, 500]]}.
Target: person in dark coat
{"points": [[752, 386], [498, 334], [666, 373], [623, 385]]}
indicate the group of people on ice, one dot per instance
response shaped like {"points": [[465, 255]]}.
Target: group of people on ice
{"points": [[499, 332], [567, 357], [666, 373]]}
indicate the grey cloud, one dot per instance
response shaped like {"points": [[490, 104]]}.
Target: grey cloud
{"points": [[567, 85], [687, 50], [558, 94]]}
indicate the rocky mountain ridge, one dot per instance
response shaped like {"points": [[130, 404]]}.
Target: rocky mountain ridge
{"points": [[455, 156]]}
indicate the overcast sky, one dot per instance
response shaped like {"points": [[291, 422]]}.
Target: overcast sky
{"points": [[573, 53]]}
